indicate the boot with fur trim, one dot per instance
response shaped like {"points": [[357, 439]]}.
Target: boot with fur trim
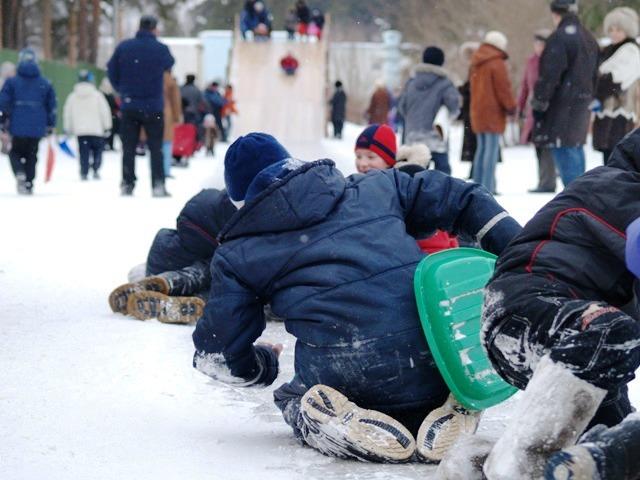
{"points": [[552, 412]]}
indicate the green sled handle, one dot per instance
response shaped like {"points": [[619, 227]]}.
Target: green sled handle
{"points": [[449, 287]]}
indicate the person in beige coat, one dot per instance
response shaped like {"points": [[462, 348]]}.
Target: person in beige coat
{"points": [[172, 116], [87, 115]]}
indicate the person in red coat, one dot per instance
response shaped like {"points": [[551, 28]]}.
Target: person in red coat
{"points": [[289, 64], [546, 166]]}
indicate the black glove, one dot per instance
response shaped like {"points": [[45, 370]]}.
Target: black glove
{"points": [[51, 130]]}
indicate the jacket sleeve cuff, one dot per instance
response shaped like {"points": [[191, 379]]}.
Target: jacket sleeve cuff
{"points": [[264, 370]]}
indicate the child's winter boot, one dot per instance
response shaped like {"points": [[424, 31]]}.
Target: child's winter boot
{"points": [[145, 305], [552, 412], [339, 428], [120, 296], [603, 454], [442, 427]]}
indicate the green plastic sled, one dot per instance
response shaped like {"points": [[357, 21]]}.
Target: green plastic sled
{"points": [[449, 291]]}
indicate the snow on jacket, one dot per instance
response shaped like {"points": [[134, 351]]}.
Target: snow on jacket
{"points": [[565, 87], [315, 245], [198, 224], [491, 93], [578, 238], [136, 71], [529, 80], [86, 111], [618, 91], [172, 105], [429, 90], [29, 101]]}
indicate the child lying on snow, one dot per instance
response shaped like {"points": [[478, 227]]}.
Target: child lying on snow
{"points": [[316, 246], [177, 275], [376, 150], [561, 322]]}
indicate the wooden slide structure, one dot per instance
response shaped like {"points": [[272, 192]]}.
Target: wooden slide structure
{"points": [[291, 108]]}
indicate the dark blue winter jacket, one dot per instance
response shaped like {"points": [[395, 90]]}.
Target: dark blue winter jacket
{"points": [[29, 101], [194, 239], [333, 258], [136, 71]]}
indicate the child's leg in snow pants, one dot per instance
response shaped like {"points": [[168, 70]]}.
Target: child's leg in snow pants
{"points": [[529, 316]]}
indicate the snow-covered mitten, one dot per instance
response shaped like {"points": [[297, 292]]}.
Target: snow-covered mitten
{"points": [[442, 428], [465, 458], [339, 428], [553, 411], [603, 454], [416, 154]]}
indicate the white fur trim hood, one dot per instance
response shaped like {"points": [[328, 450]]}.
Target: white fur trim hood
{"points": [[416, 154]]}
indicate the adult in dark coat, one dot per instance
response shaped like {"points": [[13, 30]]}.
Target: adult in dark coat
{"points": [[338, 104], [136, 71], [562, 295], [29, 101], [546, 165], [565, 89], [315, 245]]}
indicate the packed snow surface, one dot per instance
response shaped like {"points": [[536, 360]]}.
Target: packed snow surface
{"points": [[88, 394]]}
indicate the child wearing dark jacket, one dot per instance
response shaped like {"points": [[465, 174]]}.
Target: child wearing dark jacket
{"points": [[177, 276], [560, 321], [314, 245]]}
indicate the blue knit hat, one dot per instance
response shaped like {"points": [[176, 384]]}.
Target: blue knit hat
{"points": [[245, 158], [27, 55]]}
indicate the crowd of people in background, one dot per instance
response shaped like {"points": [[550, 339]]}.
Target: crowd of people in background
{"points": [[568, 80], [301, 21], [570, 86]]}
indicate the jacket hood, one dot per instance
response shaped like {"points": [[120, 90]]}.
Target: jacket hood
{"points": [[84, 89], [487, 53], [302, 198], [28, 69], [626, 155], [425, 75]]}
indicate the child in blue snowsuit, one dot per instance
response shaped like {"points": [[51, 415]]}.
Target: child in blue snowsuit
{"points": [[333, 258]]}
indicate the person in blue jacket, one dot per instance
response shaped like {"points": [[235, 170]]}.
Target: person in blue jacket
{"points": [[29, 102], [136, 71], [335, 258]]}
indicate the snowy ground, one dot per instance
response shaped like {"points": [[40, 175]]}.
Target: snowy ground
{"points": [[89, 394]]}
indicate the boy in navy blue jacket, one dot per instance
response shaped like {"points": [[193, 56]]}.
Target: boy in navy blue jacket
{"points": [[29, 101], [315, 245]]}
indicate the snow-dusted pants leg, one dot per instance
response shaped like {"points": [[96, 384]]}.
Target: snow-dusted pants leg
{"points": [[526, 318]]}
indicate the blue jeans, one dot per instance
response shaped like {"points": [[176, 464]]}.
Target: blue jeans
{"points": [[485, 160], [167, 156], [570, 162], [441, 161], [90, 145]]}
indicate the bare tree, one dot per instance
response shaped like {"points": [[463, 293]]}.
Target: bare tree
{"points": [[83, 30], [94, 31], [46, 29], [73, 33]]}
